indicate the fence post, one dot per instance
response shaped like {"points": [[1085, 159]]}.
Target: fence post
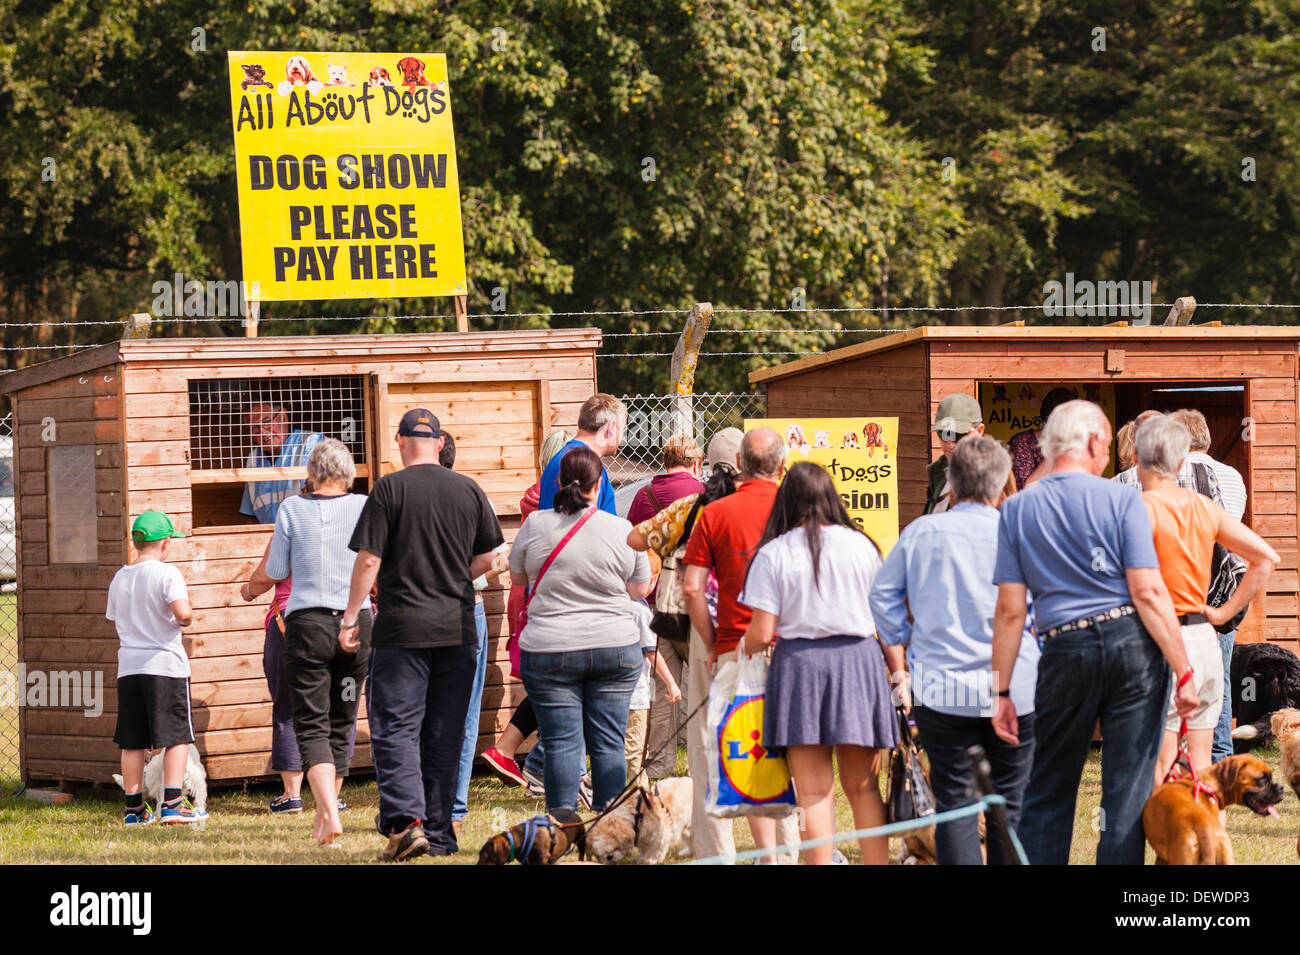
{"points": [[685, 357]]}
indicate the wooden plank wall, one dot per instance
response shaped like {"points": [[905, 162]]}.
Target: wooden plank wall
{"points": [[1269, 369], [61, 607], [891, 383], [141, 418]]}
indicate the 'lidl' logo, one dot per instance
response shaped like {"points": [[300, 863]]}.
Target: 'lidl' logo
{"points": [[749, 767]]}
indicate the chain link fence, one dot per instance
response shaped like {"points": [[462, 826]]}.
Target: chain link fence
{"points": [[653, 419], [8, 611]]}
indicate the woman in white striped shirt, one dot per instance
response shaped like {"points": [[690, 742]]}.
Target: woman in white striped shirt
{"points": [[310, 544]]}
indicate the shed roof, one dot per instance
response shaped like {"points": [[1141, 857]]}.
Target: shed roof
{"points": [[158, 351], [1104, 333]]}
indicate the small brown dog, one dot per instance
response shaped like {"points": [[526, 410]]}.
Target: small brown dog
{"points": [[412, 70], [1182, 822], [541, 840], [1286, 729]]}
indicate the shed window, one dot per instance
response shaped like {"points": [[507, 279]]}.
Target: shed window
{"points": [[73, 527], [258, 429]]}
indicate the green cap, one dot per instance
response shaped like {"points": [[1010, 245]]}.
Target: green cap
{"points": [[152, 526]]}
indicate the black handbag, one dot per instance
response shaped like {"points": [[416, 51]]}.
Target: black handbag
{"points": [[1226, 568], [910, 796]]}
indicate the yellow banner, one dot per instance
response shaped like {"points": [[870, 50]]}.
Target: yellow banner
{"points": [[861, 455], [346, 164]]}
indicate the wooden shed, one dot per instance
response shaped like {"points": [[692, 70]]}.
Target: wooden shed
{"points": [[115, 430], [1242, 378]]}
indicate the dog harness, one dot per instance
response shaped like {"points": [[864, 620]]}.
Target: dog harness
{"points": [[525, 849]]}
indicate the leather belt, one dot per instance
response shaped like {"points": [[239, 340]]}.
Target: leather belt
{"points": [[1191, 619], [1114, 613]]}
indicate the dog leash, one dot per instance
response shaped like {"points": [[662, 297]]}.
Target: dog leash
{"points": [[1184, 758]]}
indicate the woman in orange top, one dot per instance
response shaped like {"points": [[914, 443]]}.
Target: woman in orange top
{"points": [[1186, 526]]}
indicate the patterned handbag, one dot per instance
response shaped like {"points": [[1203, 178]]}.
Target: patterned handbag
{"points": [[910, 796]]}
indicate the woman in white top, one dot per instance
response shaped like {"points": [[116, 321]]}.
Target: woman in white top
{"points": [[827, 686]]}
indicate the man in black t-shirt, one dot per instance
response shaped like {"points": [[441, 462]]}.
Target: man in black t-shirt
{"points": [[425, 533]]}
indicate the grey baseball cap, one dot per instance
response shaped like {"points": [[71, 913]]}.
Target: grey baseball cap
{"points": [[957, 413]]}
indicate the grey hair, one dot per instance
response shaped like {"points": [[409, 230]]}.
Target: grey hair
{"points": [[978, 469], [331, 460], [1161, 445], [1070, 426], [1196, 426]]}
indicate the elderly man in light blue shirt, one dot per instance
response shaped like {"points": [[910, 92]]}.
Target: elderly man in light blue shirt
{"points": [[942, 568]]}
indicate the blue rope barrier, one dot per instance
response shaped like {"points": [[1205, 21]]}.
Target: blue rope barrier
{"points": [[892, 828]]}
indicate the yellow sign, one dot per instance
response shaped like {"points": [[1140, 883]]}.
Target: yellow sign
{"points": [[861, 455], [346, 165], [1013, 411]]}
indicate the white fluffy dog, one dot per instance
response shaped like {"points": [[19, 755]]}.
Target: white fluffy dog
{"points": [[665, 811], [196, 780]]}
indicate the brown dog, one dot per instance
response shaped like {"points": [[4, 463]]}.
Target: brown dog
{"points": [[1182, 822], [1286, 729], [412, 70], [541, 840]]}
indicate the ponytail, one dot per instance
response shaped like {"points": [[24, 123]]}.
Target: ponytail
{"points": [[580, 469]]}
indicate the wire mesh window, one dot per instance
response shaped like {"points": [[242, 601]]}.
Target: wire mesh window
{"points": [[252, 422], [653, 419]]}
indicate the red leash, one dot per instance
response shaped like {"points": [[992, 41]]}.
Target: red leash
{"points": [[1183, 761]]}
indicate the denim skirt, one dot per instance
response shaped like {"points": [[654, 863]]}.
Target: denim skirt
{"points": [[831, 691]]}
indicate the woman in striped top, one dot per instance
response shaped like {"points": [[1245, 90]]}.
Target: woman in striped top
{"points": [[311, 544]]}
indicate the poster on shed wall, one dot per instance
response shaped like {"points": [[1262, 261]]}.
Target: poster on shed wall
{"points": [[346, 167], [1014, 407], [861, 455]]}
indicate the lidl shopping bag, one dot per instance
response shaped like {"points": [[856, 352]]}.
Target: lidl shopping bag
{"points": [[745, 778]]}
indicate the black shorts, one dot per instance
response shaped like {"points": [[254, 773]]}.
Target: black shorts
{"points": [[153, 712]]}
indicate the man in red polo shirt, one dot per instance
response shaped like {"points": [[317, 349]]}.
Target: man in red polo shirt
{"points": [[724, 539]]}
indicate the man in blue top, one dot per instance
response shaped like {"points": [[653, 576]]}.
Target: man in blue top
{"points": [[940, 571], [602, 420], [274, 446], [601, 423], [1083, 546]]}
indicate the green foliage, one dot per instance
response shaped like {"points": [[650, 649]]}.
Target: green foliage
{"points": [[640, 157]]}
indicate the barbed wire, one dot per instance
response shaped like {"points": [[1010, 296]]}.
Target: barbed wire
{"points": [[845, 309]]}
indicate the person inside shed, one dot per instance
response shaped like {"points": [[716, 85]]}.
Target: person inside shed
{"points": [[957, 416], [275, 444], [1027, 461]]}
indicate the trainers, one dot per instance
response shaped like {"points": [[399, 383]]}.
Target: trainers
{"points": [[838, 858], [286, 804], [533, 783], [584, 792], [406, 844], [503, 767], [142, 817], [183, 812], [342, 804]]}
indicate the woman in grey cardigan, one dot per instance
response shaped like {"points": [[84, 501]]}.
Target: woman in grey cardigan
{"points": [[310, 544]]}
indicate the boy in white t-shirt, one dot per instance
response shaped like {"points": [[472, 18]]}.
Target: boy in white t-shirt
{"points": [[149, 604], [638, 712]]}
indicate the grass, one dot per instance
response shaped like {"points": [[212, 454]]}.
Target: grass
{"points": [[89, 831]]}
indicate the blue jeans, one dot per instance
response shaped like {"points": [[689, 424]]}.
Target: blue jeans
{"points": [[460, 808], [582, 696], [418, 698], [945, 739], [1112, 671], [1223, 732]]}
